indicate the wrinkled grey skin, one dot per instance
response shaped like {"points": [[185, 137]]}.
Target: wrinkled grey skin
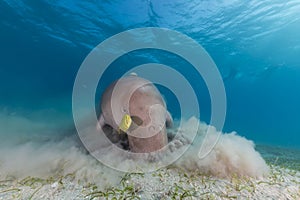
{"points": [[139, 98]]}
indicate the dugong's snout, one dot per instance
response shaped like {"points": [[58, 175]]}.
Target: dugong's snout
{"points": [[148, 131]]}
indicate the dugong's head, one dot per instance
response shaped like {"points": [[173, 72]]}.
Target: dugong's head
{"points": [[134, 106]]}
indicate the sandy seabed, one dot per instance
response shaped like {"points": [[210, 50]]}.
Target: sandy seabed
{"points": [[167, 183]]}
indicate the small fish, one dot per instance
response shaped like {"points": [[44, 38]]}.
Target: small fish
{"points": [[125, 123]]}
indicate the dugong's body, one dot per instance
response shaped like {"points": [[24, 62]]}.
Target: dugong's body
{"points": [[140, 99]]}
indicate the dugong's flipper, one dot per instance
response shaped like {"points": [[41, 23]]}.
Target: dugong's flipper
{"points": [[169, 120], [113, 135]]}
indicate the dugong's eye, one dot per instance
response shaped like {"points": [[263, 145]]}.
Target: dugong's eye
{"points": [[124, 110], [137, 120]]}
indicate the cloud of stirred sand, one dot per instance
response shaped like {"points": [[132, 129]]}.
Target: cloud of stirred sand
{"points": [[22, 154]]}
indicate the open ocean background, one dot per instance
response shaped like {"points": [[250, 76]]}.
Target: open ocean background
{"points": [[255, 45]]}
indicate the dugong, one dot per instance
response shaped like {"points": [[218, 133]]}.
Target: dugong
{"points": [[134, 106]]}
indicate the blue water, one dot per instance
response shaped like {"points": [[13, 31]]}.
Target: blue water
{"points": [[255, 45]]}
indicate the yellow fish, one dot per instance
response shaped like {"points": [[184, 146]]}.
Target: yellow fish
{"points": [[125, 123]]}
